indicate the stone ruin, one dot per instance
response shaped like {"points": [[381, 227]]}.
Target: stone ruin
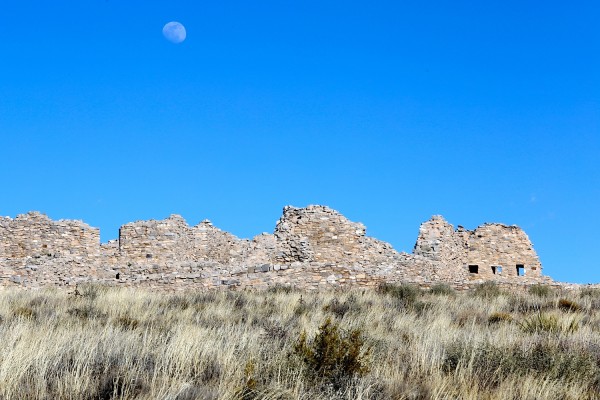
{"points": [[312, 247], [490, 251]]}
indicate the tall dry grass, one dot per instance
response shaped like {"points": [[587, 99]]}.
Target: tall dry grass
{"points": [[407, 344]]}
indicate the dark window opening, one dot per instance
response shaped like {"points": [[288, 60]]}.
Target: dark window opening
{"points": [[474, 269], [520, 270], [148, 255], [117, 276]]}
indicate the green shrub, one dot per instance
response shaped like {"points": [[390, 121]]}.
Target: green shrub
{"points": [[497, 317], [548, 323], [91, 290], [301, 307], [333, 356], [540, 290], [590, 292], [525, 304], [487, 290], [126, 322], [405, 293], [443, 289], [338, 308], [279, 288], [86, 312]]}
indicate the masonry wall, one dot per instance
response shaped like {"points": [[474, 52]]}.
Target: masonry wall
{"points": [[505, 247], [320, 234], [172, 240], [438, 241], [34, 235], [490, 251], [311, 248]]}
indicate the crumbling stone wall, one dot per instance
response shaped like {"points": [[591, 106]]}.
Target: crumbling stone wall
{"points": [[172, 240], [169, 240], [489, 251], [213, 244], [320, 234], [34, 235], [311, 248], [438, 241], [502, 246]]}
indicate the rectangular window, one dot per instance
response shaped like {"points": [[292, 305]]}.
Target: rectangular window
{"points": [[474, 269], [497, 269], [520, 270]]}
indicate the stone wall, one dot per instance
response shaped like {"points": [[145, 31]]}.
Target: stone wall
{"points": [[490, 251], [493, 246], [320, 234], [34, 235], [438, 241], [310, 248], [173, 241]]}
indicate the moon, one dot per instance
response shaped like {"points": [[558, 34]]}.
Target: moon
{"points": [[174, 32]]}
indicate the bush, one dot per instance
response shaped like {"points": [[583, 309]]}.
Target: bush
{"points": [[525, 304], [548, 323], [443, 289], [339, 309], [126, 322], [333, 356], [91, 290], [487, 290], [590, 292], [404, 293], [568, 305], [279, 288], [540, 290], [497, 317]]}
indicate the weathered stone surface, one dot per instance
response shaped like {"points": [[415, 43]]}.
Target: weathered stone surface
{"points": [[311, 247], [320, 234], [34, 235], [487, 252]]}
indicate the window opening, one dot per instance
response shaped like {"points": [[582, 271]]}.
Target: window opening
{"points": [[520, 270], [474, 269]]}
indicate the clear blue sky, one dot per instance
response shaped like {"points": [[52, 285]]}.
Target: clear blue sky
{"points": [[387, 111]]}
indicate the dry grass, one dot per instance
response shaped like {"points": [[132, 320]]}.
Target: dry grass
{"points": [[409, 344]]}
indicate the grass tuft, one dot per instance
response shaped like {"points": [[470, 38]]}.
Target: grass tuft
{"points": [[540, 290]]}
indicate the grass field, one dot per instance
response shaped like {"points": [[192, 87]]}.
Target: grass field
{"points": [[397, 342]]}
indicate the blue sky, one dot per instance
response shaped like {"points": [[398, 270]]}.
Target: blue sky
{"points": [[387, 112]]}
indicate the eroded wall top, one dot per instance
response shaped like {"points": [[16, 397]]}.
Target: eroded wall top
{"points": [[318, 233], [314, 241], [489, 250], [173, 240], [35, 235]]}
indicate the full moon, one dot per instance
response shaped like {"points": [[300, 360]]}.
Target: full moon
{"points": [[174, 32]]}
